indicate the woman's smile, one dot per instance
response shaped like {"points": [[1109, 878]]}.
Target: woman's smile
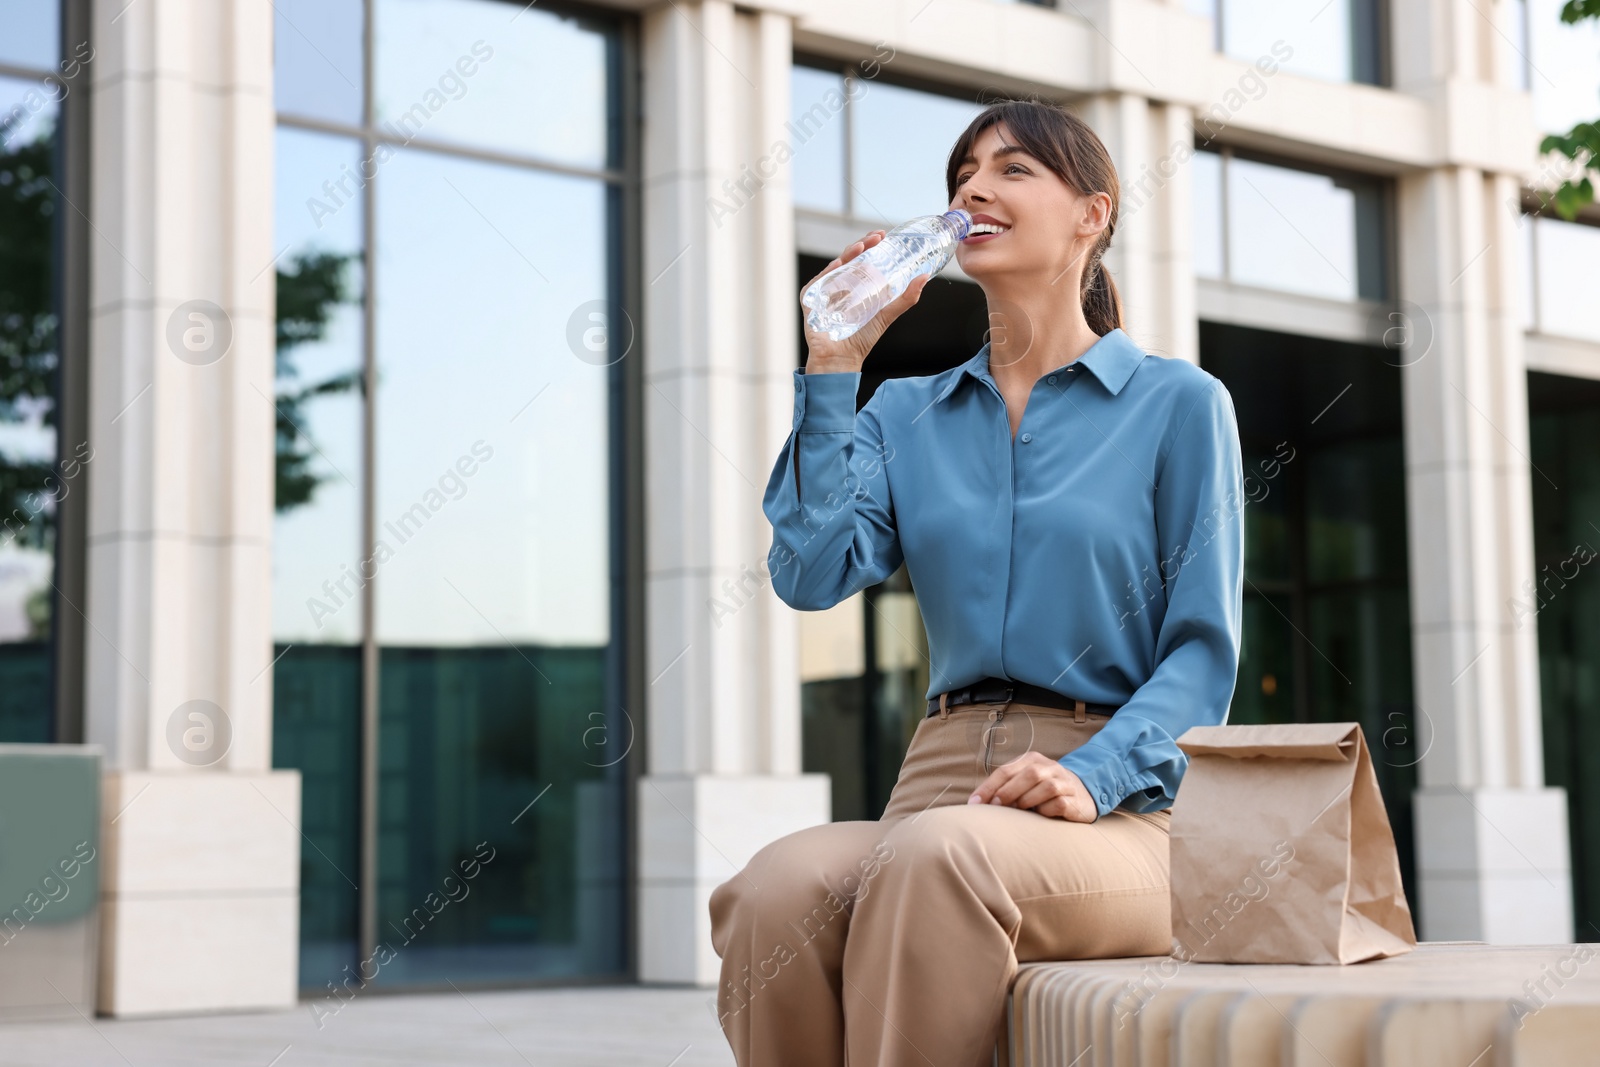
{"points": [[985, 228]]}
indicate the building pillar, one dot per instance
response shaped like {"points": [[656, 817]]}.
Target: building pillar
{"points": [[201, 837], [1492, 848], [719, 324], [1151, 257]]}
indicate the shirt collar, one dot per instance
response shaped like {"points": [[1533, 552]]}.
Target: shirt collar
{"points": [[1112, 359]]}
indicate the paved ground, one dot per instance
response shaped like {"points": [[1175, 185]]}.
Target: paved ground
{"points": [[610, 1026]]}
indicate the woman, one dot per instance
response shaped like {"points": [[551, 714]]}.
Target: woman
{"points": [[1067, 508]]}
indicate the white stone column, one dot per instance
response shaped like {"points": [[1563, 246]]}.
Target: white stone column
{"points": [[201, 837], [1151, 257], [1492, 848], [719, 328]]}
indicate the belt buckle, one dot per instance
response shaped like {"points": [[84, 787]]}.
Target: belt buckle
{"points": [[1010, 691]]}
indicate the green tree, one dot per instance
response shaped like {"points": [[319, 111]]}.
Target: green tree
{"points": [[309, 289], [28, 323], [1581, 144]]}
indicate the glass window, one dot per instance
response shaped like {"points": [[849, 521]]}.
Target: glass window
{"points": [[1529, 294], [870, 149], [1564, 255], [1514, 45], [34, 474], [1563, 67], [1337, 40], [816, 128], [319, 460], [317, 59], [487, 551], [483, 73], [32, 36], [316, 588], [1288, 229], [1206, 169], [900, 142], [502, 395]]}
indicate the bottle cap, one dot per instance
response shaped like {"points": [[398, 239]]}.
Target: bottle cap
{"points": [[962, 221]]}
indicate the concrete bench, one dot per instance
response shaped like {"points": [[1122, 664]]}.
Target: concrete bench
{"points": [[1450, 1003]]}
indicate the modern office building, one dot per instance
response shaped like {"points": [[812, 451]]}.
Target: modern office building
{"points": [[390, 387]]}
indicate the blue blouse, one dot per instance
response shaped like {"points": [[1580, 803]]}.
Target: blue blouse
{"points": [[1098, 553]]}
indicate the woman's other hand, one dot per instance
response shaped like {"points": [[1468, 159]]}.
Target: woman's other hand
{"points": [[825, 355], [1037, 782]]}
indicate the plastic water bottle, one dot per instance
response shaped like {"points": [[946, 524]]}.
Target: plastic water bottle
{"points": [[846, 298]]}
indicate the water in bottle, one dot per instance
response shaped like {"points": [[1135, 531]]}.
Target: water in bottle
{"points": [[846, 298]]}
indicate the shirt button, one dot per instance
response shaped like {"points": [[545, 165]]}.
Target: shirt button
{"points": [[1050, 380], [1027, 437]]}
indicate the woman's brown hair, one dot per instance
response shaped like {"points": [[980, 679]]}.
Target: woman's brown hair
{"points": [[1064, 143]]}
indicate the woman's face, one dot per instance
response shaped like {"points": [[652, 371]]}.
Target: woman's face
{"points": [[1049, 227]]}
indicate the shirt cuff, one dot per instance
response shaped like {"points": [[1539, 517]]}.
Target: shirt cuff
{"points": [[825, 403], [1109, 782]]}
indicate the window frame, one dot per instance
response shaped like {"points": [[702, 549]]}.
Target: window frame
{"points": [[1385, 260], [625, 667]]}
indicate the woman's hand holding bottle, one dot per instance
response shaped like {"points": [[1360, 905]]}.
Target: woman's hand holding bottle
{"points": [[825, 355]]}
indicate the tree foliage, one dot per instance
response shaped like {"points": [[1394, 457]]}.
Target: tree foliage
{"points": [[28, 332], [1581, 144], [309, 289]]}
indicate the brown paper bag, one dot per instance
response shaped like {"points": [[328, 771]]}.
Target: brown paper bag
{"points": [[1281, 849]]}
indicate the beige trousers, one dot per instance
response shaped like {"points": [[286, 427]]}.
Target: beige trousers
{"points": [[890, 942]]}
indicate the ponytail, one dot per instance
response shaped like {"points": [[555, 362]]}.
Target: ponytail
{"points": [[1102, 304]]}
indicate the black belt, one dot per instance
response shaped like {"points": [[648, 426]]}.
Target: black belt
{"points": [[1003, 691]]}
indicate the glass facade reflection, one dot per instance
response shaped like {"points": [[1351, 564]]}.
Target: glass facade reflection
{"points": [[321, 45], [36, 473], [32, 35], [1558, 267], [817, 132], [1294, 230], [900, 140], [1337, 40], [868, 148], [320, 471], [445, 545], [1562, 67]]}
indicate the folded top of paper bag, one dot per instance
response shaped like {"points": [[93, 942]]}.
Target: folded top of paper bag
{"points": [[1289, 740]]}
